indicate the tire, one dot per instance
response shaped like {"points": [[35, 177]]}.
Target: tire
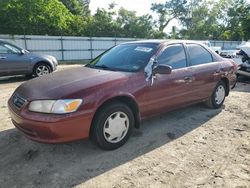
{"points": [[104, 135], [216, 100], [41, 69]]}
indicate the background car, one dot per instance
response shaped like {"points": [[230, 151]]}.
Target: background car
{"points": [[17, 61], [108, 97]]}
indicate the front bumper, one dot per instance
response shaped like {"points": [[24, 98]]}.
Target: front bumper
{"points": [[51, 130]]}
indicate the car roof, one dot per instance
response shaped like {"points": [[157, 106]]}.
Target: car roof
{"points": [[162, 41]]}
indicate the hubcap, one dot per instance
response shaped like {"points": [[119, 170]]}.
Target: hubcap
{"points": [[116, 127], [219, 94], [42, 70]]}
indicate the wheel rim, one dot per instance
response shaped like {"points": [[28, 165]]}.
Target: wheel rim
{"points": [[42, 70], [116, 127], [219, 94]]}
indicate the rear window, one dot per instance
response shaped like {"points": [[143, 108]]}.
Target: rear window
{"points": [[198, 55]]}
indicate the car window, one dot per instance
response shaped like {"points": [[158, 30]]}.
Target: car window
{"points": [[174, 55], [12, 49], [198, 55], [3, 50], [8, 49]]}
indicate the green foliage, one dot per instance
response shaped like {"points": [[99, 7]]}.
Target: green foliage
{"points": [[238, 21], [34, 17], [170, 10], [102, 24], [134, 26], [108, 23], [77, 7], [200, 19], [218, 20]]}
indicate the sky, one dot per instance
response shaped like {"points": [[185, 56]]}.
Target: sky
{"points": [[140, 6]]}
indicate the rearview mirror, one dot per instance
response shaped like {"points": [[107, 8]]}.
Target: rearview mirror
{"points": [[162, 69]]}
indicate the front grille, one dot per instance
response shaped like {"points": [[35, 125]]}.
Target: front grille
{"points": [[18, 101]]}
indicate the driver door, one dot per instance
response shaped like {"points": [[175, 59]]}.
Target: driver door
{"points": [[12, 61], [169, 91]]}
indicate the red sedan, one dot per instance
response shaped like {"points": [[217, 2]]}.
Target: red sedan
{"points": [[109, 97]]}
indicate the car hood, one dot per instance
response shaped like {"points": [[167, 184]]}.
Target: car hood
{"points": [[67, 82]]}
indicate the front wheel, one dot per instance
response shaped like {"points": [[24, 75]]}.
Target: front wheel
{"points": [[41, 69], [217, 98], [113, 125]]}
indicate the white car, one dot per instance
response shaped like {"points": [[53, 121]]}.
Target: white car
{"points": [[217, 49], [242, 58]]}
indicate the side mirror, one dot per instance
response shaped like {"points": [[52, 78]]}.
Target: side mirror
{"points": [[22, 52], [162, 69]]}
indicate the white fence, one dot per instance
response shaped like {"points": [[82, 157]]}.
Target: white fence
{"points": [[65, 47], [226, 45], [79, 48]]}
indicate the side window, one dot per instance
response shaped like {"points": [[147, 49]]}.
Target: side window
{"points": [[8, 49], [3, 50], [174, 55], [198, 55]]}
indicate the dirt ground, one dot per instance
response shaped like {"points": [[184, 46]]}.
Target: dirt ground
{"points": [[191, 147]]}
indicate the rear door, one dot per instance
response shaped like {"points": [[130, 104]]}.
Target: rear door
{"points": [[206, 71], [12, 61]]}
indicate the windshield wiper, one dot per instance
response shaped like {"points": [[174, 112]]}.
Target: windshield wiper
{"points": [[105, 67]]}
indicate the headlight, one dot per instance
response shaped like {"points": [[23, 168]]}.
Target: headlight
{"points": [[55, 106]]}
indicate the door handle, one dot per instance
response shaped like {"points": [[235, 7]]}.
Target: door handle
{"points": [[188, 79], [1, 57]]}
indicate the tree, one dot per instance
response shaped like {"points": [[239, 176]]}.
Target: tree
{"points": [[77, 7], [34, 17], [218, 20], [204, 20], [237, 24], [102, 24], [135, 26], [172, 9]]}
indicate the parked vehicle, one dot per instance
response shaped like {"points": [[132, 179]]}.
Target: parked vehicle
{"points": [[241, 56], [243, 60], [17, 61], [108, 97], [217, 49]]}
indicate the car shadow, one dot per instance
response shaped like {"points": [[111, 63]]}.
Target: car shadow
{"points": [[12, 79], [242, 86], [25, 163]]}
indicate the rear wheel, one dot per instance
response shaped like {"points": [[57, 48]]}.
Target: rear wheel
{"points": [[113, 125], [217, 98], [41, 69]]}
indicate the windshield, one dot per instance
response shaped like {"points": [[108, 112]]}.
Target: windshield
{"points": [[125, 57]]}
